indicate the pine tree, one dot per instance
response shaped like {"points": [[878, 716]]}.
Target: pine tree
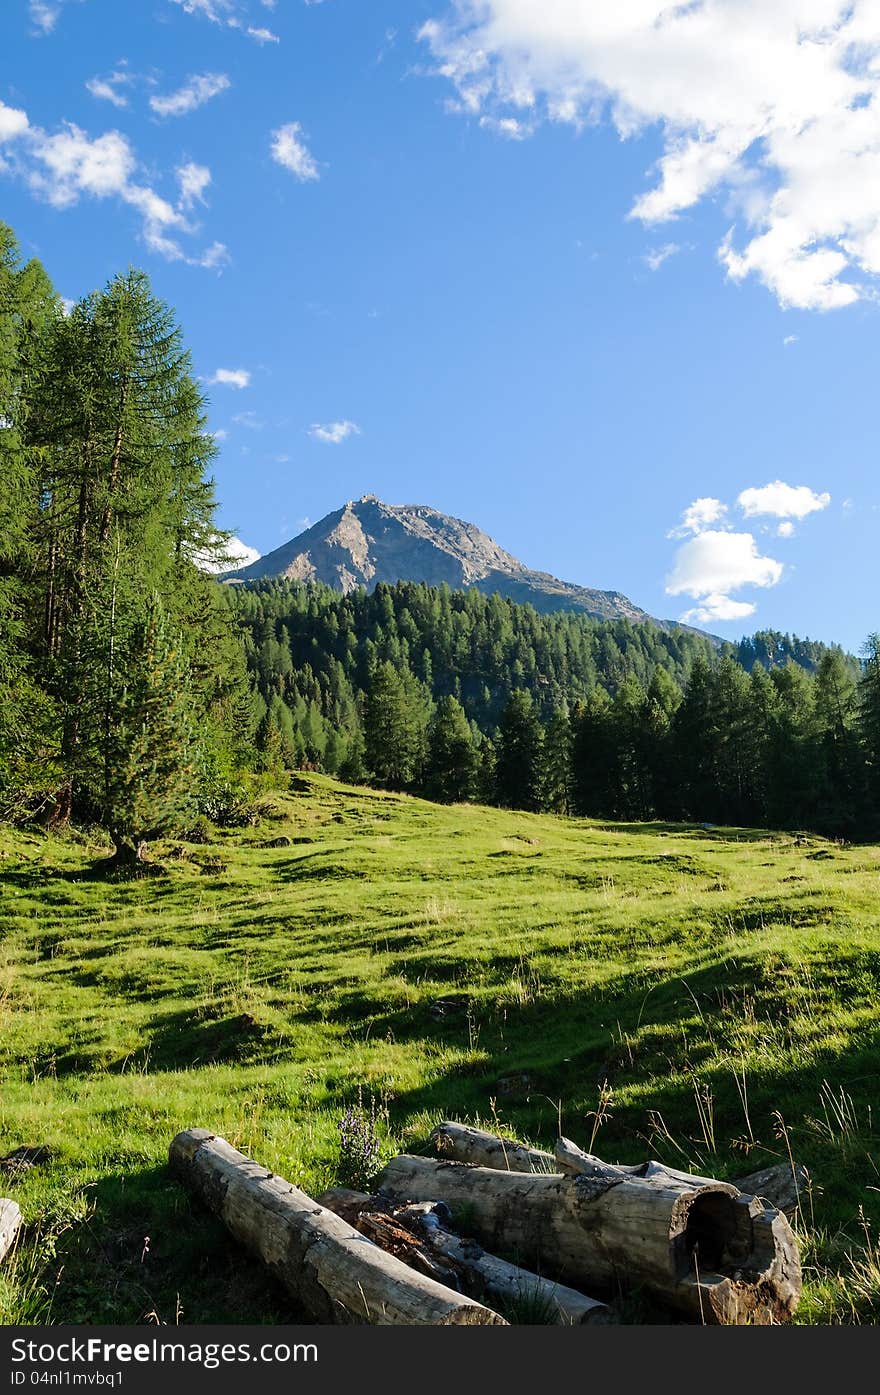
{"points": [[593, 757], [120, 434], [28, 720], [556, 775], [395, 725], [519, 754], [149, 750], [452, 759], [869, 726], [839, 765]]}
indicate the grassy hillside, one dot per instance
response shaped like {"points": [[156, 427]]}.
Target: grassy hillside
{"points": [[708, 997]]}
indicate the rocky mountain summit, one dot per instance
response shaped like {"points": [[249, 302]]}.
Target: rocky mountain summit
{"points": [[367, 541]]}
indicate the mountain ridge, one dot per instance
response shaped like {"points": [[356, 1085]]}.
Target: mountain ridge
{"points": [[367, 542]]}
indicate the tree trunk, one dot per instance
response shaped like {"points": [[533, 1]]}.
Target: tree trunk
{"points": [[462, 1143], [10, 1221], [334, 1272], [418, 1235], [780, 1186], [703, 1250]]}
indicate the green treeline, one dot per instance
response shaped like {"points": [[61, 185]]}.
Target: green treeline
{"points": [[123, 691], [457, 695]]}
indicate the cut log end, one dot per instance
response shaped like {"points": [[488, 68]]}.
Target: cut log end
{"points": [[10, 1224], [701, 1249]]}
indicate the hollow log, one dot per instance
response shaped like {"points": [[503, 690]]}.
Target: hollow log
{"points": [[10, 1222], [780, 1186], [463, 1143], [336, 1274], [418, 1234], [703, 1250]]}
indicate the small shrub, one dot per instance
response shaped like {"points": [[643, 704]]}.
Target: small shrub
{"points": [[360, 1144], [229, 806]]}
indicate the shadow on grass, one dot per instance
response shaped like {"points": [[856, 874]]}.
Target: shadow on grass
{"points": [[151, 1253]]}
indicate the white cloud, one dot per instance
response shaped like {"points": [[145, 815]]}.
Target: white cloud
{"points": [[231, 377], [237, 555], [215, 257], [508, 126], [216, 10], [335, 432], [241, 554], [714, 563], [789, 339], [699, 515], [43, 15], [196, 91], [249, 420], [782, 501], [292, 152], [13, 122], [785, 530], [232, 13], [658, 255], [774, 103], [63, 166], [717, 608], [107, 89], [193, 180]]}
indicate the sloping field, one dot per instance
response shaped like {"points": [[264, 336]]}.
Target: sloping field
{"points": [[705, 996]]}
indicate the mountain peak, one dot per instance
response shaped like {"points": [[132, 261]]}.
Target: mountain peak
{"points": [[368, 541]]}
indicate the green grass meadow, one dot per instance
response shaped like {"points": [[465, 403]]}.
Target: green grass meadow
{"points": [[707, 997]]}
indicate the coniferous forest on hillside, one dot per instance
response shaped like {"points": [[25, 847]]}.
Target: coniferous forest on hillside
{"points": [[139, 694]]}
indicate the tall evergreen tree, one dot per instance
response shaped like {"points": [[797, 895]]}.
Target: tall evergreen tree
{"points": [[869, 726], [452, 758], [121, 436], [395, 724], [556, 773], [147, 783], [519, 755]]}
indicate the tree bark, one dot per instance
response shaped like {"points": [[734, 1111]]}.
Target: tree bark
{"points": [[10, 1221], [702, 1250], [462, 1143], [418, 1235], [780, 1186], [334, 1272]]}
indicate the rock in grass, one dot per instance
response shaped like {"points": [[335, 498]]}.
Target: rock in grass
{"points": [[23, 1159]]}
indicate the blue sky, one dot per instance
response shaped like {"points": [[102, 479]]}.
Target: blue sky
{"points": [[561, 270]]}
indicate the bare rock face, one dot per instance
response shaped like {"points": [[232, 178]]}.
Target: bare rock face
{"points": [[367, 542]]}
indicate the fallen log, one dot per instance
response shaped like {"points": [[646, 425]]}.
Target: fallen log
{"points": [[10, 1223], [780, 1186], [703, 1250], [334, 1272], [572, 1160], [418, 1235], [463, 1143]]}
